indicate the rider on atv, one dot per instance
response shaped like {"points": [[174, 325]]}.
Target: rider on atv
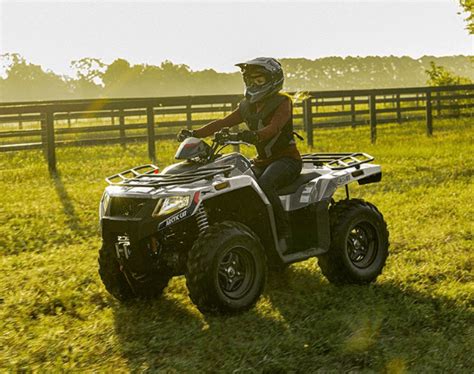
{"points": [[268, 115]]}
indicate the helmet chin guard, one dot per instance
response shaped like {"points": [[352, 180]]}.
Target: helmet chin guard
{"points": [[271, 69]]}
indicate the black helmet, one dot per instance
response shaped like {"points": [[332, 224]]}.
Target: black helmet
{"points": [[267, 66]]}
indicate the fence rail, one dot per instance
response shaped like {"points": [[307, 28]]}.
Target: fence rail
{"points": [[49, 124]]}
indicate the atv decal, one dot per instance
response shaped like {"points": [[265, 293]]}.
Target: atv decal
{"points": [[305, 195], [343, 179], [176, 217]]}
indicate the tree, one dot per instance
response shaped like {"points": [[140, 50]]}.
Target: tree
{"points": [[27, 81], [117, 78], [89, 72], [439, 76], [468, 6], [89, 69]]}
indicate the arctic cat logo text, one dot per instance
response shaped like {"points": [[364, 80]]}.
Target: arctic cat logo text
{"points": [[177, 217]]}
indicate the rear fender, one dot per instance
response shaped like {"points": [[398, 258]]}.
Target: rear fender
{"points": [[365, 173], [324, 187]]}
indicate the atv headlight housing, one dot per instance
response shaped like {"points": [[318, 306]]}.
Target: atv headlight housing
{"points": [[170, 204]]}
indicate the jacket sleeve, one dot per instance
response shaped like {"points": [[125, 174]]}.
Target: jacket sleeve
{"points": [[232, 119], [280, 117]]}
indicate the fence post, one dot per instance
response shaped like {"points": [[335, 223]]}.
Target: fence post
{"points": [[50, 144], [438, 103], [150, 116], [189, 113], [353, 113], [308, 120], [373, 119], [112, 117], [399, 112], [44, 140], [122, 127], [429, 114], [20, 122], [233, 106]]}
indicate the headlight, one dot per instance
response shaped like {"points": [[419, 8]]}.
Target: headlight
{"points": [[104, 204], [170, 205]]}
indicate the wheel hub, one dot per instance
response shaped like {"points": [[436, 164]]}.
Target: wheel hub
{"points": [[362, 245], [236, 272], [231, 272]]}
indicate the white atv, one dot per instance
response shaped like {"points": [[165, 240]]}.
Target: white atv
{"points": [[207, 218]]}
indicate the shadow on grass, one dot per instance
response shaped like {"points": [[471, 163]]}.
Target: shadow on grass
{"points": [[68, 208], [171, 334], [301, 323], [378, 327]]}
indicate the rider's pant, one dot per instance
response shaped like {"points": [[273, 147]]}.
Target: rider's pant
{"points": [[278, 174]]}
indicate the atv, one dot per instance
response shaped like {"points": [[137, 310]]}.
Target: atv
{"points": [[206, 218]]}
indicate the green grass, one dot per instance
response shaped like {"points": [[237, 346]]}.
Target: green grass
{"points": [[55, 314]]}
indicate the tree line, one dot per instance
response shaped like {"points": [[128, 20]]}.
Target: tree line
{"points": [[24, 81]]}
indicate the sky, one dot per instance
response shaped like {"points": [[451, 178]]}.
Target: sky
{"points": [[219, 34]]}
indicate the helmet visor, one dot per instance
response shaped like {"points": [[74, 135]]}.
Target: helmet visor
{"points": [[255, 80], [255, 76]]}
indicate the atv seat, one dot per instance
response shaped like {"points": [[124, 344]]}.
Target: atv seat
{"points": [[305, 177]]}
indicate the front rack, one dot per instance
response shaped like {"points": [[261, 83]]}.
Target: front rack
{"points": [[338, 161], [151, 178]]}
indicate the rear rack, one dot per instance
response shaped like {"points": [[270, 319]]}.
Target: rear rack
{"points": [[150, 178], [338, 161]]}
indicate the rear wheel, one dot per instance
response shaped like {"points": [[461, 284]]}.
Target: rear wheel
{"points": [[359, 243], [125, 285], [226, 269]]}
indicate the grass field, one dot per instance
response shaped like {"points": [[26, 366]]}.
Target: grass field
{"points": [[55, 315]]}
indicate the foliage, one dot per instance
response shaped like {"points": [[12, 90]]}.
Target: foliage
{"points": [[89, 72], [122, 79], [440, 76], [56, 316], [89, 69], [27, 81], [468, 6]]}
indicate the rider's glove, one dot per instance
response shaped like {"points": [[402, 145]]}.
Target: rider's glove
{"points": [[183, 134], [249, 136]]}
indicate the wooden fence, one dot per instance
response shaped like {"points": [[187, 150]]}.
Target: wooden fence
{"points": [[47, 125]]}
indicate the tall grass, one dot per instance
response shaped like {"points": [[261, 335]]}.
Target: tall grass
{"points": [[56, 315]]}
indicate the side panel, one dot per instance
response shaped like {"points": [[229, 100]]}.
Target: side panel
{"points": [[316, 190], [310, 226]]}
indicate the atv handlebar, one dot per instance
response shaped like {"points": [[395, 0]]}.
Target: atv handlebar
{"points": [[221, 139], [224, 136]]}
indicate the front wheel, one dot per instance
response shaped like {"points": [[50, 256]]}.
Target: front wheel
{"points": [[359, 243], [226, 269]]}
